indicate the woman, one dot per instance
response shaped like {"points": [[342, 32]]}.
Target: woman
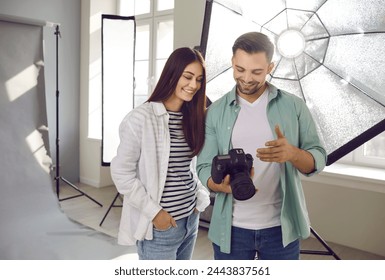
{"points": [[158, 140]]}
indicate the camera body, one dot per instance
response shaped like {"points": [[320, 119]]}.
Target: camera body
{"points": [[238, 165]]}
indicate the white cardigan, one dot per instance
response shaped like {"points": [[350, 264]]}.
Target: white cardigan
{"points": [[139, 170]]}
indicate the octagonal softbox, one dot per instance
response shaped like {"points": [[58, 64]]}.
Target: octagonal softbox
{"points": [[337, 66]]}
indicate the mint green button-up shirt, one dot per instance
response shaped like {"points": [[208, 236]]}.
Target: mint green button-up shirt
{"points": [[295, 121]]}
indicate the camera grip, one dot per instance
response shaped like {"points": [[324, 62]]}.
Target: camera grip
{"points": [[217, 171]]}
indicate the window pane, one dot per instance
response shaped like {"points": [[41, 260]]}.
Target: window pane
{"points": [[142, 7], [165, 5], [165, 39], [140, 99], [141, 78], [159, 67], [127, 7], [135, 7], [375, 147], [142, 42]]}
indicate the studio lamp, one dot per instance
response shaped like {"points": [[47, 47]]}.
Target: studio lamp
{"points": [[291, 43]]}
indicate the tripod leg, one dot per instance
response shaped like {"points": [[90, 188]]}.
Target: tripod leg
{"points": [[329, 251], [80, 191], [324, 244], [109, 208]]}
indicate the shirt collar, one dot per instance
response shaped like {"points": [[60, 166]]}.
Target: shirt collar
{"points": [[273, 91], [158, 108], [232, 96]]}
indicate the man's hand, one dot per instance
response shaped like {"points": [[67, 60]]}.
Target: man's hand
{"points": [[225, 185], [222, 187], [280, 150]]}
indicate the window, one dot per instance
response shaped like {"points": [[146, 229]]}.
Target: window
{"points": [[371, 154], [154, 41]]}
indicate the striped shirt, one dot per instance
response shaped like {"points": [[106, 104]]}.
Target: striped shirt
{"points": [[179, 194]]}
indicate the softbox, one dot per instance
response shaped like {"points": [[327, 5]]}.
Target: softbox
{"points": [[328, 52], [118, 51]]}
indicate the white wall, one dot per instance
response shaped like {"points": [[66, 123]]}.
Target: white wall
{"points": [[346, 210], [188, 22]]}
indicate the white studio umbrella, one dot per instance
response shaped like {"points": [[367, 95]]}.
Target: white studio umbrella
{"points": [[331, 53]]}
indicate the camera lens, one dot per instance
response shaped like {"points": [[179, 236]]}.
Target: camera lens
{"points": [[242, 186]]}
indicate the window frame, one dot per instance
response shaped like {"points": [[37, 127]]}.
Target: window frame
{"points": [[360, 158], [152, 18]]}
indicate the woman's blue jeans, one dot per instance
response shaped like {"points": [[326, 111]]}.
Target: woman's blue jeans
{"points": [[175, 243], [265, 244]]}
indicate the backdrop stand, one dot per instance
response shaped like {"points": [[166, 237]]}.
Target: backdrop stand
{"points": [[59, 178]]}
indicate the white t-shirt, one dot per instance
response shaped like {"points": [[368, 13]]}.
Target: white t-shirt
{"points": [[251, 131]]}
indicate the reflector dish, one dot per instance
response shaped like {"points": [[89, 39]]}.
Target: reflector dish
{"points": [[337, 68]]}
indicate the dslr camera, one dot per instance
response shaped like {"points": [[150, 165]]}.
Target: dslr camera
{"points": [[238, 165]]}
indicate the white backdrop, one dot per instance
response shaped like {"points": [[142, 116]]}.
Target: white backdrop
{"points": [[32, 224]]}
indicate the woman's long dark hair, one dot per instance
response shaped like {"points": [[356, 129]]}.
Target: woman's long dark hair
{"points": [[194, 110]]}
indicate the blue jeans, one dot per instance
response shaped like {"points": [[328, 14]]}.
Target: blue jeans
{"points": [[265, 244], [175, 243]]}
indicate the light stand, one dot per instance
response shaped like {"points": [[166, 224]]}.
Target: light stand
{"points": [[111, 205], [328, 252], [59, 178]]}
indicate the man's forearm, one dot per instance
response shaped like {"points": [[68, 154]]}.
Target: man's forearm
{"points": [[303, 161]]}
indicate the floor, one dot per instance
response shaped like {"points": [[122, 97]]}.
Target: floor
{"points": [[85, 211]]}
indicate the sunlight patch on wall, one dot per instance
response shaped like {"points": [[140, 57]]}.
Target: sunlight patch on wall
{"points": [[23, 81], [37, 147]]}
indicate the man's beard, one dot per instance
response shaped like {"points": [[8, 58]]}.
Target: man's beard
{"points": [[250, 89]]}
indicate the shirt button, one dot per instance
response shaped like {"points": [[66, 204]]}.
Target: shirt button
{"points": [[228, 127]]}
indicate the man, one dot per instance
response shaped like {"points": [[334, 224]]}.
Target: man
{"points": [[277, 129]]}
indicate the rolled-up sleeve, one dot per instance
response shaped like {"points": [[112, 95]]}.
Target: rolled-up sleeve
{"points": [[310, 140]]}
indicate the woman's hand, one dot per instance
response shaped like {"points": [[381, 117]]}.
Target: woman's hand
{"points": [[163, 220]]}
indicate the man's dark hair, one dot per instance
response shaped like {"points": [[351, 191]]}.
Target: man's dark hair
{"points": [[253, 42]]}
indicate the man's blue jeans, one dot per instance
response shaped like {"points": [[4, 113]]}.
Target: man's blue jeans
{"points": [[265, 244], [175, 243]]}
